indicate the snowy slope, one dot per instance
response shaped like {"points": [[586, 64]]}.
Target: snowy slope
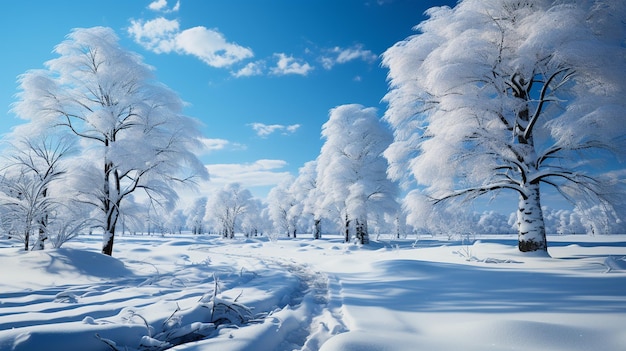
{"points": [[301, 294]]}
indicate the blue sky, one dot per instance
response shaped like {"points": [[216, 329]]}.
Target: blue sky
{"points": [[260, 75]]}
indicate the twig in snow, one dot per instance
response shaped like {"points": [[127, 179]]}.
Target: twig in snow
{"points": [[238, 296], [165, 325], [112, 345]]}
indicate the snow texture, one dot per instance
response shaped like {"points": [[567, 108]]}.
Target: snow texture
{"points": [[301, 294]]}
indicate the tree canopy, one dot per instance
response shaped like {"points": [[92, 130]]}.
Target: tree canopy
{"points": [[508, 95], [131, 127], [351, 171]]}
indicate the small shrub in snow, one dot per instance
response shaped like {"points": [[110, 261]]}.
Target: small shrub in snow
{"points": [[213, 311]]}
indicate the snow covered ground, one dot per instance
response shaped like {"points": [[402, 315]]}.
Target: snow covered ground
{"points": [[426, 294]]}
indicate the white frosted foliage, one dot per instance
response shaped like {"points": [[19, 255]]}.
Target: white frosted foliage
{"points": [[502, 95], [133, 135], [351, 171]]}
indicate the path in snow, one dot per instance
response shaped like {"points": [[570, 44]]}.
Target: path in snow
{"points": [[311, 313], [63, 298]]}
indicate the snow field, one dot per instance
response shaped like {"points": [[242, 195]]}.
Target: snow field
{"points": [[430, 294]]}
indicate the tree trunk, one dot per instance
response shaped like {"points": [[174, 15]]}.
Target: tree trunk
{"points": [[230, 231], [107, 242], [110, 208], [317, 231], [347, 228], [39, 244], [109, 232], [530, 223], [26, 239], [43, 224], [361, 232], [397, 227]]}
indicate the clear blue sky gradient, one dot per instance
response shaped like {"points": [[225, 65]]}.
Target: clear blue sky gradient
{"points": [[227, 105]]}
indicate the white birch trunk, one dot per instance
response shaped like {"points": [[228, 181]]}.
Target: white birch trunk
{"points": [[530, 224]]}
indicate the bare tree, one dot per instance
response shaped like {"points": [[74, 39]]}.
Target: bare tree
{"points": [[506, 95], [131, 126]]}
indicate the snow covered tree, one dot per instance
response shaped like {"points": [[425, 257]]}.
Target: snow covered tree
{"points": [[164, 220], [131, 127], [33, 164], [304, 192], [280, 207], [195, 215], [227, 205], [254, 223], [508, 95], [23, 207], [351, 170]]}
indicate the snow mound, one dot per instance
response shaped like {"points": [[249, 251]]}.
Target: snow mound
{"points": [[365, 341], [615, 264], [58, 267], [85, 263]]}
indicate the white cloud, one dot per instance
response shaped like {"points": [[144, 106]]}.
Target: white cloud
{"points": [[259, 177], [257, 174], [327, 62], [251, 69], [210, 145], [164, 36], [264, 130], [343, 55], [292, 128], [211, 47], [157, 5], [290, 65], [161, 5], [214, 144], [158, 35]]}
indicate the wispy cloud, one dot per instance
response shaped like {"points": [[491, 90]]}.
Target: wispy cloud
{"points": [[292, 128], [259, 173], [256, 68], [161, 6], [210, 145], [290, 65], [282, 65], [264, 130], [338, 55], [258, 177], [161, 35]]}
